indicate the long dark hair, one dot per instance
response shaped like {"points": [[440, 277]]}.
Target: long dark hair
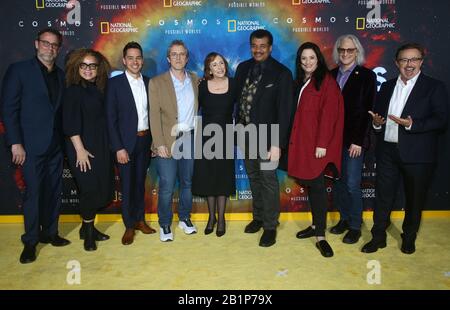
{"points": [[321, 71]]}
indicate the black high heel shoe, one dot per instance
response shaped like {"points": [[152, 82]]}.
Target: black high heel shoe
{"points": [[219, 232], [210, 228]]}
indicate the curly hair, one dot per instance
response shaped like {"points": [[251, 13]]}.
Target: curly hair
{"points": [[76, 57]]}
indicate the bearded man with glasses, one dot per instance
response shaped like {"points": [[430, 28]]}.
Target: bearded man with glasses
{"points": [[31, 106]]}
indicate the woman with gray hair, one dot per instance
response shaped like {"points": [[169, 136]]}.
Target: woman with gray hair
{"points": [[358, 87]]}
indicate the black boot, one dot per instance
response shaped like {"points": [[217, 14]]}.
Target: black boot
{"points": [[99, 236], [89, 238]]}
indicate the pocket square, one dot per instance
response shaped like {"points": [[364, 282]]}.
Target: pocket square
{"points": [[268, 85]]}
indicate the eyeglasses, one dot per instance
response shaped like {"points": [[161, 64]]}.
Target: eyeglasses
{"points": [[48, 44], [348, 50], [85, 66], [176, 55], [404, 61]]}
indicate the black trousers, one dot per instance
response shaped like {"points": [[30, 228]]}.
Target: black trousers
{"points": [[42, 203], [265, 193], [416, 180], [318, 201]]}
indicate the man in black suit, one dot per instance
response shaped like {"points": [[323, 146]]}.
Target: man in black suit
{"points": [[358, 86], [409, 113], [31, 101], [129, 131], [265, 89]]}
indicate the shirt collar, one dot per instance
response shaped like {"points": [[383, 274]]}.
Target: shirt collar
{"points": [[410, 81], [175, 80], [348, 70], [132, 78]]}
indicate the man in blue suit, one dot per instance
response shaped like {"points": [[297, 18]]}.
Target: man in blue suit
{"points": [[409, 113], [129, 130], [31, 101]]}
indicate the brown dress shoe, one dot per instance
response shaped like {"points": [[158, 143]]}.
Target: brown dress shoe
{"points": [[128, 236], [144, 228]]}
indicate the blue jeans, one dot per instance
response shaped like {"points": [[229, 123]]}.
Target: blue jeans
{"points": [[169, 171], [347, 190]]}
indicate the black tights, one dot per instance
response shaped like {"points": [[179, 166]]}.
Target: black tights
{"points": [[219, 203], [318, 200]]}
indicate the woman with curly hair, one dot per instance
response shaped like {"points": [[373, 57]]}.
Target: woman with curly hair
{"points": [[86, 137]]}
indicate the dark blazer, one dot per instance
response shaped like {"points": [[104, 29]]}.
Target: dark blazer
{"points": [[121, 113], [359, 97], [29, 116], [428, 107], [273, 102]]}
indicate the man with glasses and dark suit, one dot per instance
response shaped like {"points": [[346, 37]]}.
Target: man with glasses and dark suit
{"points": [[31, 102], [410, 112]]}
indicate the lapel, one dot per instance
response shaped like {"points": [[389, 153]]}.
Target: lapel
{"points": [[170, 91], [354, 76], [129, 92], [194, 81], [309, 89], [267, 75], [61, 87], [386, 101], [146, 81], [41, 82], [417, 89]]}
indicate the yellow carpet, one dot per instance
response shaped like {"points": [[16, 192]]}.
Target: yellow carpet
{"points": [[234, 261]]}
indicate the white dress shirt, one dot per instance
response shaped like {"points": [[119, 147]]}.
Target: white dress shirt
{"points": [[185, 102], [140, 100], [396, 105]]}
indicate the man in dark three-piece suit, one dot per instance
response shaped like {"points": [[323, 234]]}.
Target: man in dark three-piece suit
{"points": [[31, 102], [129, 131], [265, 89], [409, 113]]}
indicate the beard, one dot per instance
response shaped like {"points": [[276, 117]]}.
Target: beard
{"points": [[48, 57]]}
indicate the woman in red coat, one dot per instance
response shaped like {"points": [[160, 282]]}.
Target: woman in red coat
{"points": [[316, 137]]}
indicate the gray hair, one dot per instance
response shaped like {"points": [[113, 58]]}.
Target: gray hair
{"points": [[180, 43], [360, 58]]}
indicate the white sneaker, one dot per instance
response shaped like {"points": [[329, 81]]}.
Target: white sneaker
{"points": [[165, 234], [187, 227]]}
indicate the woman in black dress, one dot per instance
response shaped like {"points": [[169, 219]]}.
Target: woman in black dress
{"points": [[86, 137], [214, 173]]}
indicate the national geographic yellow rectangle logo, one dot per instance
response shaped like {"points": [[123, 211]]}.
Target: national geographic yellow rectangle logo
{"points": [[167, 3], [360, 23], [235, 196], [40, 4], [231, 25], [296, 2], [104, 27]]}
